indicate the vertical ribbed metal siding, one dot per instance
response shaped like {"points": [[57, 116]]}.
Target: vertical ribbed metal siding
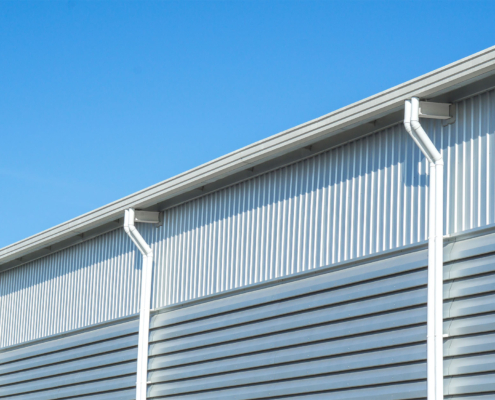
{"points": [[358, 199], [361, 198], [469, 146], [355, 200], [91, 282]]}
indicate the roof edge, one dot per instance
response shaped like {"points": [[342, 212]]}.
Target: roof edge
{"points": [[325, 126]]}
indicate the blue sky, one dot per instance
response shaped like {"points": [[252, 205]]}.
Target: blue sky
{"points": [[101, 99]]}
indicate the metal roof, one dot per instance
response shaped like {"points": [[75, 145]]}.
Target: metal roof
{"points": [[260, 156]]}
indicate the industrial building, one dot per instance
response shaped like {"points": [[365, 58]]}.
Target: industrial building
{"points": [[350, 257]]}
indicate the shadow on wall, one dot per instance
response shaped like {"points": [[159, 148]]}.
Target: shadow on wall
{"points": [[368, 182], [362, 198], [361, 170], [92, 282]]}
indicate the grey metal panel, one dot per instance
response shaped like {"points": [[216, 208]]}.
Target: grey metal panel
{"points": [[32, 360], [75, 378], [470, 384], [358, 199], [64, 392], [98, 362], [300, 287], [339, 330], [343, 306], [318, 316], [289, 371], [471, 267], [68, 341], [470, 325], [71, 366], [469, 312], [470, 306], [471, 286], [284, 339], [464, 248], [456, 346], [279, 355], [402, 391], [470, 365], [337, 206], [312, 336], [89, 283], [118, 395], [300, 386]]}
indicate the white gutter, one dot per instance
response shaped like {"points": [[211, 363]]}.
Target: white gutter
{"points": [[435, 249], [431, 84], [144, 313]]}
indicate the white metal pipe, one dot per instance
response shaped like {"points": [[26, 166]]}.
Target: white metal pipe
{"points": [[144, 313], [430, 326], [427, 146], [439, 280], [435, 250], [430, 308], [412, 133]]}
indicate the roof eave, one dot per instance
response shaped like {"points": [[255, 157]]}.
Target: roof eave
{"points": [[363, 111]]}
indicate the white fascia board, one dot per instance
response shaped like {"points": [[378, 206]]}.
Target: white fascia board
{"points": [[362, 111]]}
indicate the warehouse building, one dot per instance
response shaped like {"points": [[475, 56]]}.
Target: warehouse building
{"points": [[303, 266]]}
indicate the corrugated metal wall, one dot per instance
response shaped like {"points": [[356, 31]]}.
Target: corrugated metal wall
{"points": [[352, 333], [469, 320], [359, 333], [469, 152], [355, 333], [358, 199], [99, 364], [355, 200], [91, 282]]}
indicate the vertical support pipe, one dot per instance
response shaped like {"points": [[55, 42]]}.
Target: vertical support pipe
{"points": [[431, 309], [144, 313], [439, 280], [435, 250]]}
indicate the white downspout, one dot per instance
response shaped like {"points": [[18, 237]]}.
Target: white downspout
{"points": [[144, 313], [435, 250]]}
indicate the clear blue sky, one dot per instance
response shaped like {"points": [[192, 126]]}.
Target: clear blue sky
{"points": [[101, 99]]}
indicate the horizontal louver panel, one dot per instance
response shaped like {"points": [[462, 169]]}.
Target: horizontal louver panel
{"points": [[469, 313], [357, 327], [99, 363]]}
